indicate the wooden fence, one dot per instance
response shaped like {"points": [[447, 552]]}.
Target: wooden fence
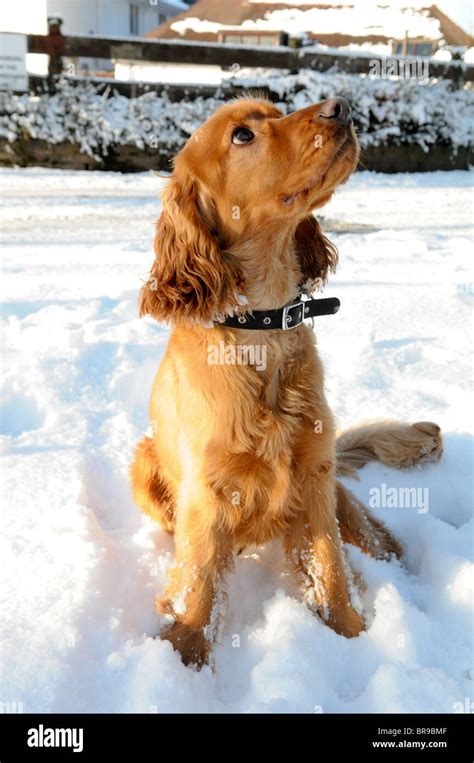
{"points": [[218, 54]]}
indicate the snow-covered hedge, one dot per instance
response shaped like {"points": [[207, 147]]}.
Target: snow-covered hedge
{"points": [[386, 112], [96, 119]]}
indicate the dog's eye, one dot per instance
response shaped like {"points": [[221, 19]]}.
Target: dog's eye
{"points": [[242, 135]]}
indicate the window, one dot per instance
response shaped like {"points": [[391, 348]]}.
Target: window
{"points": [[407, 48], [134, 16], [232, 39], [423, 49], [240, 38], [161, 18]]}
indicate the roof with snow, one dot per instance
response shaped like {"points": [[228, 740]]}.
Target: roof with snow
{"points": [[343, 23]]}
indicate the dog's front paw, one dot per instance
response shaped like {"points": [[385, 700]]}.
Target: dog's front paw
{"points": [[346, 621], [192, 644]]}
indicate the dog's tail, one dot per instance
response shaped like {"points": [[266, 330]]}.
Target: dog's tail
{"points": [[394, 444]]}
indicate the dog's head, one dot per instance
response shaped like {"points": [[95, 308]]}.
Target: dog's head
{"points": [[247, 168]]}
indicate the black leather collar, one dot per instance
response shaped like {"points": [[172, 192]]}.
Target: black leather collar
{"points": [[288, 317]]}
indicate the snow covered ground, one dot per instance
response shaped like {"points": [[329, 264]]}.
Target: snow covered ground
{"points": [[81, 565]]}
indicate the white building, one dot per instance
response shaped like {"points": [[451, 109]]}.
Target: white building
{"points": [[27, 17], [111, 18], [114, 18], [119, 18]]}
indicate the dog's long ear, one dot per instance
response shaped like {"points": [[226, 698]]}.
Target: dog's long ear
{"points": [[317, 255], [190, 278]]}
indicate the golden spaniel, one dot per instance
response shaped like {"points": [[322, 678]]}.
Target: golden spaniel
{"points": [[244, 451]]}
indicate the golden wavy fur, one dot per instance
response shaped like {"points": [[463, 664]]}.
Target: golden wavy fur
{"points": [[243, 454]]}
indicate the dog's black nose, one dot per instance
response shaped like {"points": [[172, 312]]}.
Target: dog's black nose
{"points": [[337, 109]]}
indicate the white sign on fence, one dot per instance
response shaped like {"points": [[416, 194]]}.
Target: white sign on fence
{"points": [[13, 74]]}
